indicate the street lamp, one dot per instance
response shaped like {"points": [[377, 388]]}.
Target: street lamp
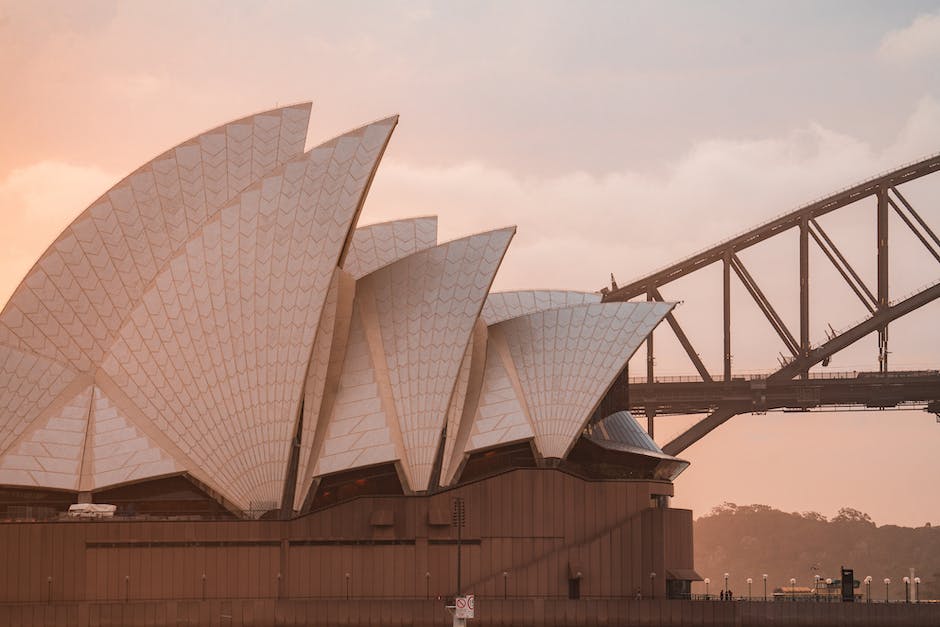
{"points": [[726, 585], [505, 584], [749, 582], [765, 586], [793, 588], [868, 587], [707, 581], [887, 583], [828, 586], [652, 585], [348, 577], [916, 589], [816, 579], [907, 589]]}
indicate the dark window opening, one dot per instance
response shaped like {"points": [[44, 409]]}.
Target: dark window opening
{"points": [[372, 481], [574, 589], [679, 588], [495, 461]]}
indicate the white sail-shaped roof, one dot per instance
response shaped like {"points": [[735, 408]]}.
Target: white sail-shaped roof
{"points": [[50, 454], [567, 358], [117, 451], [547, 371], [378, 245], [79, 293], [218, 314], [62, 319], [410, 328], [371, 248], [215, 355], [505, 305]]}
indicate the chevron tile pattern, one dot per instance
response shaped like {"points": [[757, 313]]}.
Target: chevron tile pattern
{"points": [[72, 303], [119, 451], [378, 245], [219, 302], [427, 304], [501, 416], [360, 432], [215, 354], [314, 388], [31, 384], [455, 410], [505, 305], [50, 456], [567, 358]]}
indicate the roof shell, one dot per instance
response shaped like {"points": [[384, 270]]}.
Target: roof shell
{"points": [[502, 306], [215, 355], [556, 366], [411, 325], [378, 245]]}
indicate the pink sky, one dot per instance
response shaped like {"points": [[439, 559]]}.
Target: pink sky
{"points": [[617, 139]]}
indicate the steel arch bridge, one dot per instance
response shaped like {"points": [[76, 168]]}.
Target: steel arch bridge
{"points": [[791, 386]]}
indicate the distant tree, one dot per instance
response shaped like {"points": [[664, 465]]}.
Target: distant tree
{"points": [[814, 516], [848, 514]]}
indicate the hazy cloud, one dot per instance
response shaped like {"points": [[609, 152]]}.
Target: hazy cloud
{"points": [[918, 41]]}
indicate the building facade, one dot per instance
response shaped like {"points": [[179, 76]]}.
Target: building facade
{"points": [[284, 404]]}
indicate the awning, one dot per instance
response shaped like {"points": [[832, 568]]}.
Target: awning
{"points": [[683, 574]]}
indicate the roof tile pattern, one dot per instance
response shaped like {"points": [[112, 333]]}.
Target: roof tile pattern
{"points": [[378, 245], [215, 354], [31, 384], [455, 410], [50, 456], [505, 305], [73, 301], [359, 433], [501, 417], [567, 358], [427, 304], [120, 452]]}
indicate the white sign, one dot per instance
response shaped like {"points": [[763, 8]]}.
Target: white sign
{"points": [[464, 607]]}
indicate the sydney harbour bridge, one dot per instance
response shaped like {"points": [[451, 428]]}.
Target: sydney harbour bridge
{"points": [[790, 385]]}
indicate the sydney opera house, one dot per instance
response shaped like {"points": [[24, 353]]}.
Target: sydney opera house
{"points": [[285, 405]]}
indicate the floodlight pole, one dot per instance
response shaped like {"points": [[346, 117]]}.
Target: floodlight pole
{"points": [[458, 519]]}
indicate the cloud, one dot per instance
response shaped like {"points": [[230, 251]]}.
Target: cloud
{"points": [[920, 40], [36, 203], [577, 228], [629, 221]]}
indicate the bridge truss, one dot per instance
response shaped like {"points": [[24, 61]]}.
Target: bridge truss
{"points": [[792, 386]]}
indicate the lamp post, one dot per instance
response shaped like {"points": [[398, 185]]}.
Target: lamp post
{"points": [[348, 577], [907, 589], [793, 588], [868, 587], [458, 519], [652, 585], [427, 584], [127, 587], [828, 586], [816, 579], [916, 589], [749, 582], [765, 586], [887, 583], [726, 585], [707, 581], [49, 586], [505, 584]]}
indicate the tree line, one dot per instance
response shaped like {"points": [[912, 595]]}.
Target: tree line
{"points": [[750, 540]]}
